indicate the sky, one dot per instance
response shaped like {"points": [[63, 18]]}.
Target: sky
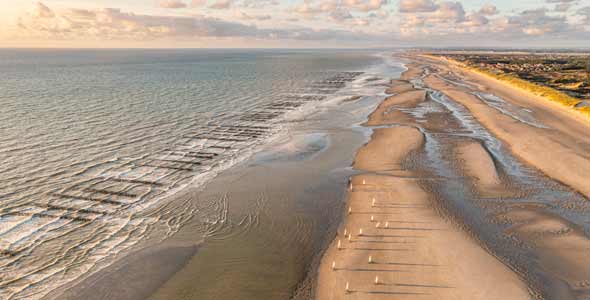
{"points": [[294, 23]]}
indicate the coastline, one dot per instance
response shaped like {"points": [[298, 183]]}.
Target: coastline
{"points": [[567, 102], [259, 226], [554, 141], [417, 245], [394, 240], [560, 151]]}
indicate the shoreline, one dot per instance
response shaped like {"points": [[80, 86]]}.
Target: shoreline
{"points": [[524, 86], [567, 138], [406, 247], [273, 224], [556, 144]]}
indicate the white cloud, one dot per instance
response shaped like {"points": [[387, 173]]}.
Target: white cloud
{"points": [[584, 12], [245, 16], [198, 3], [171, 4], [221, 4], [537, 22], [364, 5], [476, 20], [114, 24], [340, 15], [424, 21], [42, 11], [488, 10], [258, 4], [560, 1], [450, 11], [329, 8], [414, 6], [449, 19], [562, 5]]}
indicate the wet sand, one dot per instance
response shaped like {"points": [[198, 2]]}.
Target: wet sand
{"points": [[562, 151], [257, 229], [395, 243], [451, 219], [515, 172], [479, 165]]}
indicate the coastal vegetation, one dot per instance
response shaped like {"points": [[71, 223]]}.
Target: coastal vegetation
{"points": [[561, 79], [539, 90]]}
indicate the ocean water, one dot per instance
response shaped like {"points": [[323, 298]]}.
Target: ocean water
{"points": [[93, 140]]}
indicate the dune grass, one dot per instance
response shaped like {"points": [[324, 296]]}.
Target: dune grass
{"points": [[546, 92]]}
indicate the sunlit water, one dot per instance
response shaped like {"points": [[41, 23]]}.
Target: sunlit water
{"points": [[92, 140]]}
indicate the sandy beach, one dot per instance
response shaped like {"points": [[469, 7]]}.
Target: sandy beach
{"points": [[295, 150], [406, 248], [512, 227], [433, 183], [558, 145], [560, 150]]}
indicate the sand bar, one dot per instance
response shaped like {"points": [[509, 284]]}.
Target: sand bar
{"points": [[394, 244], [561, 150]]}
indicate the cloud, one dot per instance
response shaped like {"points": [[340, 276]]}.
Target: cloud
{"points": [[488, 10], [450, 20], [450, 11], [476, 20], [42, 11], [171, 4], [245, 16], [216, 4], [221, 4], [337, 8], [114, 24], [307, 8], [198, 3], [342, 21], [364, 5], [537, 22], [258, 4], [340, 15], [414, 6], [584, 12], [562, 5]]}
